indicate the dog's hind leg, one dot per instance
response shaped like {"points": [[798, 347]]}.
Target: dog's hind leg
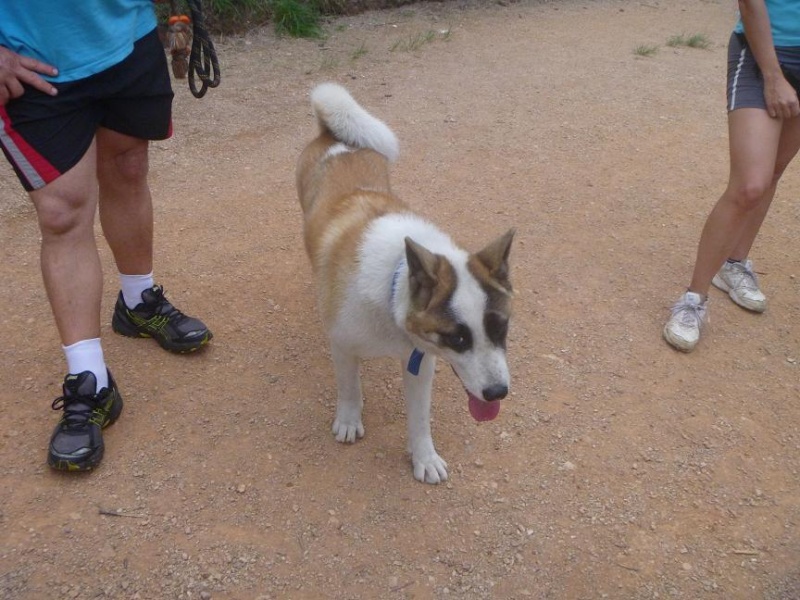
{"points": [[429, 467], [347, 426]]}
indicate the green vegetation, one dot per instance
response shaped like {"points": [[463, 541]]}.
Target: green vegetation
{"points": [[296, 18], [417, 41], [329, 63], [360, 51], [645, 50], [696, 40]]}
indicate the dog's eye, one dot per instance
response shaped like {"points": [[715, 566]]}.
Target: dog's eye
{"points": [[496, 328], [459, 341]]}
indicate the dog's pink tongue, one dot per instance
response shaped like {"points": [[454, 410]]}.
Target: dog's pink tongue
{"points": [[483, 411]]}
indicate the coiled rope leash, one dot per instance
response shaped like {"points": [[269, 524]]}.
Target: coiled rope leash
{"points": [[202, 59]]}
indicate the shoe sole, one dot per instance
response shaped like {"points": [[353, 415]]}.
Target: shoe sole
{"points": [[71, 466], [678, 343], [179, 348], [719, 283], [91, 461]]}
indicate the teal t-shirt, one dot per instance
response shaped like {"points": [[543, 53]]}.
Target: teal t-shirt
{"points": [[78, 38], [784, 17]]}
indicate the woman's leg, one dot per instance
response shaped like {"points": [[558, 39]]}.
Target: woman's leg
{"points": [[755, 139], [787, 150]]}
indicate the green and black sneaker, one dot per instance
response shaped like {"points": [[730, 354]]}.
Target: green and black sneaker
{"points": [[155, 317], [77, 441]]}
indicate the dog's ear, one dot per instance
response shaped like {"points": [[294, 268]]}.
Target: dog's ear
{"points": [[423, 267], [493, 261]]}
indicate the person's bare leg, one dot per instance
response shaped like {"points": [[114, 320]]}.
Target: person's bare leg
{"points": [[754, 141], [70, 262], [126, 208], [787, 150], [126, 214]]}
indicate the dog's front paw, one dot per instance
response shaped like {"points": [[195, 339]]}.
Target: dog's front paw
{"points": [[429, 468], [348, 431]]}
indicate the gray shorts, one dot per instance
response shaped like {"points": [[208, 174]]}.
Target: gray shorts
{"points": [[745, 83]]}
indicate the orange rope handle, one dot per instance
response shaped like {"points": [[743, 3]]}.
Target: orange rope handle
{"points": [[179, 19]]}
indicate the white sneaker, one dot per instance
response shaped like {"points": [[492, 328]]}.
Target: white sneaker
{"points": [[741, 284], [682, 330]]}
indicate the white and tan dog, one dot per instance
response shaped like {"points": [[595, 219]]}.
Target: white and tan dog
{"points": [[391, 284]]}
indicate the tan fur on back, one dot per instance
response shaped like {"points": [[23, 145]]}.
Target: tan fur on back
{"points": [[340, 195]]}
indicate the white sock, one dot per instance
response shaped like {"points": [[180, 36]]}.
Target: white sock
{"points": [[133, 286], [87, 355]]}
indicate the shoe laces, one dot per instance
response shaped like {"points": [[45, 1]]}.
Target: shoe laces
{"points": [[78, 409], [160, 305], [688, 313], [746, 277]]}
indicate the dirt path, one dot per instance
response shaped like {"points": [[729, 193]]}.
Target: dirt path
{"points": [[618, 469]]}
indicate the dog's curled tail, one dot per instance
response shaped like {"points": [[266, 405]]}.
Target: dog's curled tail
{"points": [[339, 114]]}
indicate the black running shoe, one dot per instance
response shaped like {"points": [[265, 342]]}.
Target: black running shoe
{"points": [[155, 317], [77, 441]]}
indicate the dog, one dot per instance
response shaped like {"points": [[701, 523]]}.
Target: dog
{"points": [[390, 283]]}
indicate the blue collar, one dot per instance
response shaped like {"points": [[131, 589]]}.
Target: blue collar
{"points": [[414, 361]]}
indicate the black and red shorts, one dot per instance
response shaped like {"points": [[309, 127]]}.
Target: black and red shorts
{"points": [[44, 136]]}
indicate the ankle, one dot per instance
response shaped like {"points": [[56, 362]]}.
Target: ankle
{"points": [[87, 355], [132, 287], [703, 296]]}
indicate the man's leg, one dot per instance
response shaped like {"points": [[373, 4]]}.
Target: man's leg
{"points": [[126, 208], [73, 279], [70, 263], [126, 214]]}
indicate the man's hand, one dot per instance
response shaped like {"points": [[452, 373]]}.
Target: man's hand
{"points": [[16, 70]]}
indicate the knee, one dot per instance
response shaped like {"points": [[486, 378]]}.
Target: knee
{"points": [[129, 167], [59, 215], [747, 195]]}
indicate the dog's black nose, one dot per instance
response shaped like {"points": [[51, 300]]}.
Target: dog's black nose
{"points": [[495, 392]]}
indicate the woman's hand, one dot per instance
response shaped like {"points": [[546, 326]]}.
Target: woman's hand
{"points": [[781, 98]]}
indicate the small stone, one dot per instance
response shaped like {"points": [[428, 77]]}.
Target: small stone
{"points": [[241, 488]]}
